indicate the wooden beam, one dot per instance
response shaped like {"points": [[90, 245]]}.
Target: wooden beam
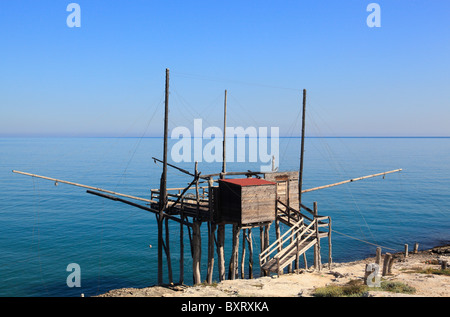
{"points": [[163, 183], [211, 233], [350, 180], [317, 258], [233, 266], [220, 251], [244, 241], [83, 186], [266, 236], [247, 173], [139, 206], [262, 248], [224, 161], [302, 152], [330, 258], [197, 249], [184, 191], [387, 259], [156, 190], [181, 247], [250, 250], [169, 261], [180, 169], [378, 256], [163, 188], [197, 197]]}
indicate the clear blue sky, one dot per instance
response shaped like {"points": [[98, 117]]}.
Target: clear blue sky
{"points": [[106, 78]]}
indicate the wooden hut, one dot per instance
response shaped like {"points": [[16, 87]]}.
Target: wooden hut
{"points": [[245, 201]]}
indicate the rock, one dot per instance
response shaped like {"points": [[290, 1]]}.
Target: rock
{"points": [[337, 274], [441, 250]]}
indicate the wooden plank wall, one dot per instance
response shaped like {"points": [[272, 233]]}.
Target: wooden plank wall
{"points": [[258, 203], [287, 183]]}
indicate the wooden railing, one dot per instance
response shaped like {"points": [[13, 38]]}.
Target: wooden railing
{"points": [[296, 228], [297, 237]]}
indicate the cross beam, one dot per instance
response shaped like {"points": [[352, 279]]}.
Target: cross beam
{"points": [[350, 180]]}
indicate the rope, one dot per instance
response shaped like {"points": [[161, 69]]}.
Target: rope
{"points": [[362, 240], [136, 147], [216, 79], [336, 164], [290, 133]]}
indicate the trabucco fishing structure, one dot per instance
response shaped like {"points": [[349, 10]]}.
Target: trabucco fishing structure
{"points": [[244, 200]]}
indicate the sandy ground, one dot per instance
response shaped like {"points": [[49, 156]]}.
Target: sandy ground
{"points": [[303, 283]]}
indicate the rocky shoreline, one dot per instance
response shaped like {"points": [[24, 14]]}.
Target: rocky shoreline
{"points": [[412, 270]]}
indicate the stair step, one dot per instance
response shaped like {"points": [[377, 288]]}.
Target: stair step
{"points": [[289, 256]]}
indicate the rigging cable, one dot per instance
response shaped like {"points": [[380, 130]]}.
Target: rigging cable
{"points": [[338, 164], [332, 230], [215, 79], [137, 146]]}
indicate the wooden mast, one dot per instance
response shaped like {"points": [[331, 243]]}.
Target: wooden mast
{"points": [[221, 226], [163, 184], [300, 178], [163, 191], [224, 163]]}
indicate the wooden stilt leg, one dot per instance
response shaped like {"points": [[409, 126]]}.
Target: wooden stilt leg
{"points": [[212, 229], [196, 240], [250, 251], [244, 240], [169, 262]]}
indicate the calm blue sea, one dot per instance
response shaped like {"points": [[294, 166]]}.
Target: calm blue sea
{"points": [[44, 227]]}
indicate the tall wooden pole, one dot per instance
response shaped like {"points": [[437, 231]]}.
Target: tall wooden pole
{"points": [[300, 178], [166, 135], [224, 163], [197, 242], [163, 184], [211, 234], [221, 226], [317, 258]]}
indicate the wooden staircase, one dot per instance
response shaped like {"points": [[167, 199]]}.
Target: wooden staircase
{"points": [[294, 242]]}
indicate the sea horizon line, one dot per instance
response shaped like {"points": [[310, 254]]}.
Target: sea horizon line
{"points": [[193, 137]]}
